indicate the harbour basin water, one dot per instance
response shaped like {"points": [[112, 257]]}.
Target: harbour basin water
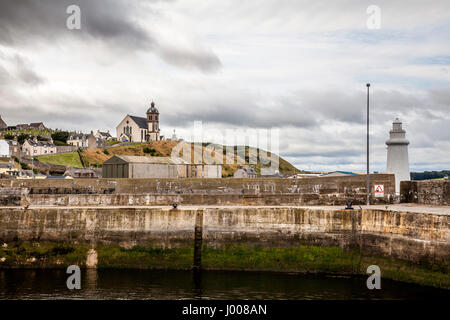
{"points": [[162, 285]]}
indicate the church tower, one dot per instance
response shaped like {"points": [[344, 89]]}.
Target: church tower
{"points": [[152, 123], [397, 154]]}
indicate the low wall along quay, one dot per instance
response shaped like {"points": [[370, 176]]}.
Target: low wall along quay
{"points": [[434, 192], [263, 191]]}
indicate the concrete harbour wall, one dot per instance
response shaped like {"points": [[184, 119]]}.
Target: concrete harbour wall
{"points": [[262, 191], [434, 192], [413, 237]]}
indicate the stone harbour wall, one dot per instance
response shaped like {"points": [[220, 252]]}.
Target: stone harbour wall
{"points": [[413, 237], [260, 191], [434, 192]]}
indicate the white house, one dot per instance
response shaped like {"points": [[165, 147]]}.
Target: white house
{"points": [[4, 148]]}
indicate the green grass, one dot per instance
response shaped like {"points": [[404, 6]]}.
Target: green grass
{"points": [[112, 142], [71, 159], [299, 258], [144, 257], [44, 254]]}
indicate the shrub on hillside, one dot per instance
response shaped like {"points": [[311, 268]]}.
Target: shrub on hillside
{"points": [[151, 151], [60, 136], [9, 136]]}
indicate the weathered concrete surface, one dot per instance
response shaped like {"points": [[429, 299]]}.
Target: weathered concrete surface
{"points": [[414, 237], [189, 199], [349, 184], [262, 191], [435, 192]]}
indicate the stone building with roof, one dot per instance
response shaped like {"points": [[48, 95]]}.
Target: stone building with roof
{"points": [[39, 126], [120, 166], [140, 129], [103, 135], [85, 141], [38, 148]]}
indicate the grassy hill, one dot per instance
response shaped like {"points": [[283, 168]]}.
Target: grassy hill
{"points": [[95, 157], [71, 159]]}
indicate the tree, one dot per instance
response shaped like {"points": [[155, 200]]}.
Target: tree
{"points": [[22, 137], [9, 136], [60, 136], [40, 138]]}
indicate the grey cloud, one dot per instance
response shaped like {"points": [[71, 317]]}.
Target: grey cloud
{"points": [[441, 98], [241, 111], [64, 112], [46, 20], [17, 67], [304, 109], [115, 23], [205, 61], [342, 152], [25, 72]]}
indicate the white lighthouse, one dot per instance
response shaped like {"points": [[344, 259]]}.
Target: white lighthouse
{"points": [[397, 154]]}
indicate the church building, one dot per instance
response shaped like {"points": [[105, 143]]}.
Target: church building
{"points": [[139, 129]]}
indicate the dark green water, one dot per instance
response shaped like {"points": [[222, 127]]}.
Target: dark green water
{"points": [[145, 284]]}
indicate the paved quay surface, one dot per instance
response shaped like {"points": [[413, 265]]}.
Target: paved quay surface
{"points": [[403, 207]]}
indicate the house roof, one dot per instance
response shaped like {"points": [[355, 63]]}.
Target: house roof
{"points": [[58, 177], [12, 142], [36, 124], [3, 124], [72, 170], [147, 160], [6, 165], [104, 134], [78, 136], [40, 143], [248, 170], [340, 173], [141, 122]]}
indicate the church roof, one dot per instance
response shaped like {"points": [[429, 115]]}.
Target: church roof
{"points": [[141, 122]]}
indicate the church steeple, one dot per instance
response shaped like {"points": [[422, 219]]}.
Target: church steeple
{"points": [[153, 123]]}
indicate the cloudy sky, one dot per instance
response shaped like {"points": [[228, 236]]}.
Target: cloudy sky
{"points": [[297, 66]]}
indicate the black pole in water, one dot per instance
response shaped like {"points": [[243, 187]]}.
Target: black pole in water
{"points": [[198, 237]]}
